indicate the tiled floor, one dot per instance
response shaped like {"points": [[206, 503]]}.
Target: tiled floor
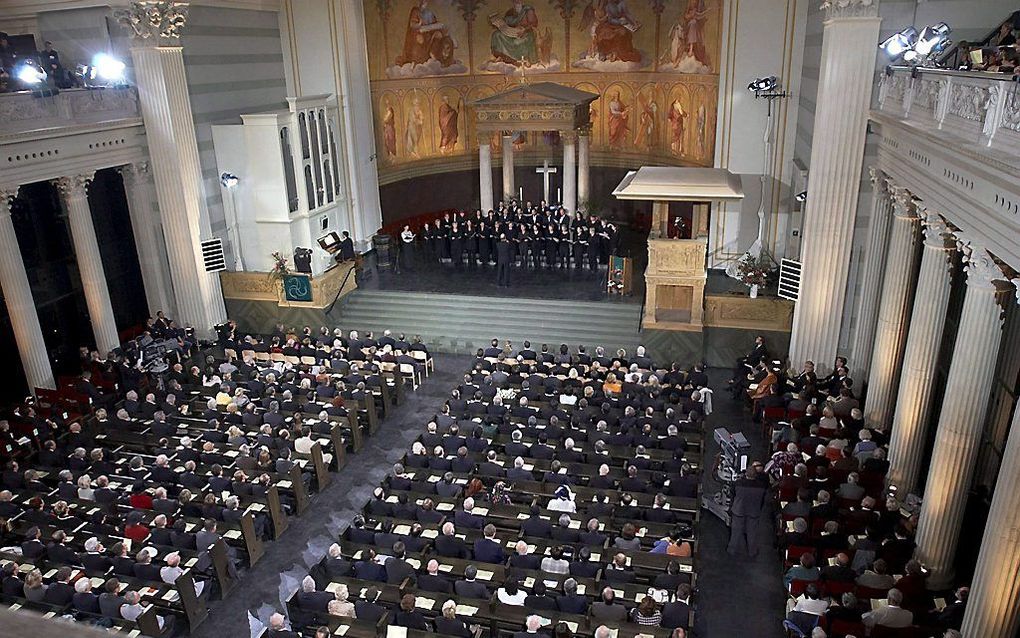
{"points": [[736, 598]]}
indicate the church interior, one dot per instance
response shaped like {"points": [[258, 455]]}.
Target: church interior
{"points": [[510, 318]]}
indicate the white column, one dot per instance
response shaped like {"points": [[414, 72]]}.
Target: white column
{"points": [[485, 173], [893, 312], [863, 343], [913, 399], [508, 168], [570, 171], [1001, 408], [583, 166], [841, 115], [148, 238], [961, 420], [90, 261], [173, 151], [993, 607], [20, 304]]}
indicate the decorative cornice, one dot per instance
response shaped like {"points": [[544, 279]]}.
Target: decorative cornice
{"points": [[153, 19], [835, 9], [74, 185]]}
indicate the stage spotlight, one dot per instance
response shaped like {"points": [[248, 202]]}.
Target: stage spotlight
{"points": [[229, 180], [802, 196], [899, 43], [29, 73], [107, 68], [762, 85], [932, 39]]}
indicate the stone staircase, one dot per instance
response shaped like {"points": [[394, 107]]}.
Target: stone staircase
{"points": [[461, 324]]}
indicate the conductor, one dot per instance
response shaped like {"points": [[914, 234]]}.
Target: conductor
{"points": [[503, 256]]}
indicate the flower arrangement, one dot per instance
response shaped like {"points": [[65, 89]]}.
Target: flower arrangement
{"points": [[754, 271], [280, 266]]}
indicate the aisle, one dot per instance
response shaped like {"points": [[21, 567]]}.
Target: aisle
{"points": [[278, 574], [737, 596]]}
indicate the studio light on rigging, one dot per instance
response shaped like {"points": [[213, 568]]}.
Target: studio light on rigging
{"points": [[917, 48]]}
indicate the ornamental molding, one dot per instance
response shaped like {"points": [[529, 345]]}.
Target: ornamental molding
{"points": [[837, 9], [71, 186], [7, 196], [981, 269], [153, 19], [903, 202], [136, 171]]}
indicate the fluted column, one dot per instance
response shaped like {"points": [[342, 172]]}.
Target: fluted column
{"points": [[90, 260], [20, 304], [962, 419], [893, 312], [508, 168], [993, 607], [913, 398], [583, 166], [863, 343], [1000, 409], [485, 173], [570, 172], [844, 95], [173, 152], [145, 228]]}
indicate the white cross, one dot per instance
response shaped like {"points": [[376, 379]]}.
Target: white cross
{"points": [[546, 170]]}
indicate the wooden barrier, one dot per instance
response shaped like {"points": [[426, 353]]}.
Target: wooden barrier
{"points": [[194, 609], [218, 552], [321, 471], [252, 542], [280, 522], [300, 493]]}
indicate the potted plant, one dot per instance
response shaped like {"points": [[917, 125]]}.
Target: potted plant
{"points": [[754, 272], [280, 267]]}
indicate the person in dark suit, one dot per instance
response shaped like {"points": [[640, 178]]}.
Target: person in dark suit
{"points": [[369, 609], [408, 616], [465, 519], [535, 525], [606, 609], [951, 617], [369, 569], [397, 568], [84, 600], [278, 627], [522, 559], [531, 625], [469, 587], [745, 512], [111, 600], [32, 548], [12, 584], [432, 581], [678, 612], [448, 624], [335, 565], [488, 549], [309, 599], [571, 602], [447, 544], [504, 256], [539, 599], [58, 552]]}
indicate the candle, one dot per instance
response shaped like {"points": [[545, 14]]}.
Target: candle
{"points": [[521, 198], [559, 198]]}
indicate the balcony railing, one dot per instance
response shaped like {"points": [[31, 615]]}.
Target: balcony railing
{"points": [[25, 112], [981, 108]]}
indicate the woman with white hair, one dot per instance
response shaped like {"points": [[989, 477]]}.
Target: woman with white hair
{"points": [[341, 606], [448, 624], [85, 491]]}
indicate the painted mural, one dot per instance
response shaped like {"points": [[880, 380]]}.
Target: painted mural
{"points": [[653, 62]]}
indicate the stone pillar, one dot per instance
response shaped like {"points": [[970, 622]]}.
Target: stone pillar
{"points": [[90, 261], [173, 152], [844, 97], [920, 356], [962, 419], [508, 168], [1001, 408], [993, 607], [148, 238], [862, 346], [570, 172], [20, 304], [583, 166], [893, 312], [485, 173]]}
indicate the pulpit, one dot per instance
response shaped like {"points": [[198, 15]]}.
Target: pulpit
{"points": [[677, 262]]}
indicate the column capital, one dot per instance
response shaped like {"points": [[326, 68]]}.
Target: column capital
{"points": [[981, 269], [837, 9], [568, 136], [136, 171], [904, 205], [875, 175], [484, 138], [7, 196], [150, 21], [936, 230], [74, 185]]}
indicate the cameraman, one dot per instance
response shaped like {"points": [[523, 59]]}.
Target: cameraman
{"points": [[746, 510]]}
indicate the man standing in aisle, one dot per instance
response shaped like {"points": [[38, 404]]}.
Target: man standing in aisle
{"points": [[503, 257], [745, 512]]}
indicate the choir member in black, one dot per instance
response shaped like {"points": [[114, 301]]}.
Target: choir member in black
{"points": [[580, 246], [470, 242], [428, 242], [524, 244], [346, 250], [552, 244], [593, 248], [456, 244], [442, 239], [504, 256], [484, 243], [565, 245]]}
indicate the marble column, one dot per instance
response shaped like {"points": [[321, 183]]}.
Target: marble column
{"points": [[73, 190], [851, 29], [583, 168], [508, 168], [962, 419], [20, 304], [893, 312], [173, 152], [570, 172], [148, 238], [485, 173], [863, 344], [993, 607], [1001, 408], [920, 356]]}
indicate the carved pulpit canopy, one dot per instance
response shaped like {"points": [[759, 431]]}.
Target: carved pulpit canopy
{"points": [[541, 106], [680, 184]]}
